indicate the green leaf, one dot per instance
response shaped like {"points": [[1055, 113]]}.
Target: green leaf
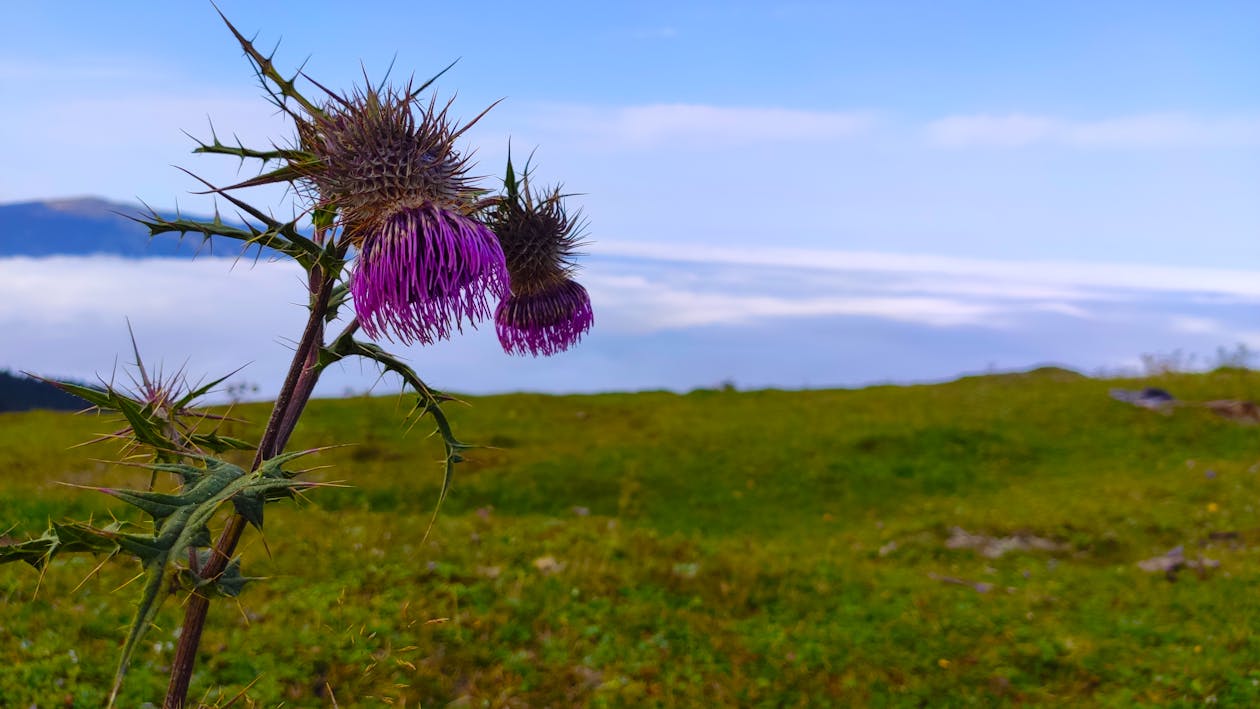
{"points": [[336, 301], [229, 584], [250, 506], [282, 237], [215, 443], [35, 552], [324, 217], [59, 539], [187, 528], [242, 152], [180, 523], [428, 402], [158, 505], [100, 398], [266, 71]]}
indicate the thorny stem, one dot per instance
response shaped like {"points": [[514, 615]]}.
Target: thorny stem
{"points": [[305, 385], [297, 388]]}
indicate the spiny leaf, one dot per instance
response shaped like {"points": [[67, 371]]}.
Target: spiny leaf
{"points": [[180, 524], [273, 237], [215, 443], [186, 528], [288, 173], [148, 550], [240, 151], [194, 393], [337, 300], [266, 71], [250, 506], [35, 552], [158, 505], [93, 395], [428, 403], [59, 539], [157, 414], [229, 584]]}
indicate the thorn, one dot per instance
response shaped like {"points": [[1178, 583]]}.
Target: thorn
{"points": [[129, 582], [92, 572], [243, 691]]}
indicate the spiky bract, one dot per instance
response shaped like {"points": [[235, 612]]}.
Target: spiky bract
{"points": [[380, 152]]}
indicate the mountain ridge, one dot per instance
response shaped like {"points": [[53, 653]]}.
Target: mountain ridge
{"points": [[87, 226]]}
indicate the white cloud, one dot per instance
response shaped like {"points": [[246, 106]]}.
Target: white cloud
{"points": [[66, 315], [65, 289], [980, 275], [695, 125], [686, 308], [72, 70], [1000, 131], [1194, 325], [640, 304], [640, 288], [146, 119], [91, 146], [663, 32], [1156, 130]]}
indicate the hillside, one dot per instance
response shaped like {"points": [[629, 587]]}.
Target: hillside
{"points": [[969, 543], [88, 226]]}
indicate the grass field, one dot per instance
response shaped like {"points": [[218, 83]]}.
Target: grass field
{"points": [[712, 549]]}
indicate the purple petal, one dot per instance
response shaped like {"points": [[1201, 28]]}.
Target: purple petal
{"points": [[546, 322], [425, 273]]}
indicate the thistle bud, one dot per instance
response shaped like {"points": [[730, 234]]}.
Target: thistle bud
{"points": [[547, 311]]}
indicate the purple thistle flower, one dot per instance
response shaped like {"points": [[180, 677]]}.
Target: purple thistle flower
{"points": [[546, 321], [402, 193], [547, 311], [424, 272]]}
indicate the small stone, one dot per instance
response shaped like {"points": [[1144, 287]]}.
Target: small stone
{"points": [[548, 564]]}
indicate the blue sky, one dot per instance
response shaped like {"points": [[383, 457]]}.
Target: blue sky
{"points": [[1103, 131], [1021, 136]]}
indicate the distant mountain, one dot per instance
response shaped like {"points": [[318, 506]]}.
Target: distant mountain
{"points": [[18, 393], [87, 226]]}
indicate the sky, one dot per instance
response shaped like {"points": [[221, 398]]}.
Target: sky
{"points": [[711, 142]]}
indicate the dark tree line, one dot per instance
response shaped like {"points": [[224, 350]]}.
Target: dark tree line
{"points": [[20, 393]]}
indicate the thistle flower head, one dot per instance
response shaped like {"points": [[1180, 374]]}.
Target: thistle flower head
{"points": [[378, 152], [547, 311], [387, 164]]}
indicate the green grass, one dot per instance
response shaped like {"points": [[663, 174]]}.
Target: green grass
{"points": [[741, 549]]}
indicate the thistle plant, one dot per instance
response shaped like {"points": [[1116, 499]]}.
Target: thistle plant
{"points": [[394, 227]]}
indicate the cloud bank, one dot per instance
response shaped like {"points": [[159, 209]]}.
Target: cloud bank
{"points": [[673, 317], [694, 126]]}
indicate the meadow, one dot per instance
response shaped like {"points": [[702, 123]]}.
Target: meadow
{"points": [[973, 543]]}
